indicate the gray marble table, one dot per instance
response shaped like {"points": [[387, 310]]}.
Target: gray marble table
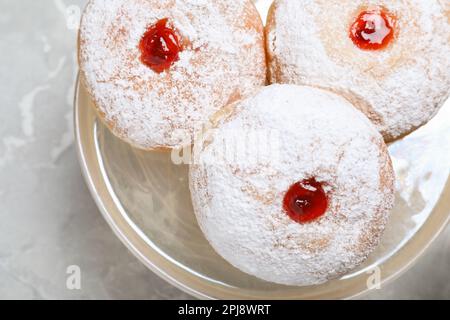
{"points": [[48, 220]]}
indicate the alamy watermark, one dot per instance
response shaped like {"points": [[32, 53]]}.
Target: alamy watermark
{"points": [[239, 147], [73, 281], [374, 280]]}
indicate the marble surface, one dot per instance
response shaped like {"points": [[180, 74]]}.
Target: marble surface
{"points": [[48, 218]]}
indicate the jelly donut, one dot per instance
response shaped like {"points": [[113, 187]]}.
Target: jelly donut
{"points": [[157, 69], [314, 201], [391, 59]]}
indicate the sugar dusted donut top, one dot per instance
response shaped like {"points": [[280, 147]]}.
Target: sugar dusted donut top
{"points": [[304, 135], [399, 82], [222, 58]]}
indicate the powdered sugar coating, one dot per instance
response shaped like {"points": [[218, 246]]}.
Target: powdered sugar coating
{"points": [[223, 59], [399, 88], [239, 204]]}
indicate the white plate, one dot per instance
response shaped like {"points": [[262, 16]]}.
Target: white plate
{"points": [[145, 198]]}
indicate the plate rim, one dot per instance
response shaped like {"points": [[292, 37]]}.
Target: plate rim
{"points": [[412, 251]]}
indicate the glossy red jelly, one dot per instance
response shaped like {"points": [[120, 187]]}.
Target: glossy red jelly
{"points": [[160, 47], [373, 29], [305, 201]]}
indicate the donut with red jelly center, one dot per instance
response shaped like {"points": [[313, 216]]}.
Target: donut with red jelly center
{"points": [[158, 69], [286, 190], [389, 58]]}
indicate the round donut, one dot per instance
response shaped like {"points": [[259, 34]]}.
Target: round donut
{"points": [[391, 59], [305, 201], [158, 69]]}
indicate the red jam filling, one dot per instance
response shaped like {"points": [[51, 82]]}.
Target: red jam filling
{"points": [[305, 201], [373, 29], [160, 47]]}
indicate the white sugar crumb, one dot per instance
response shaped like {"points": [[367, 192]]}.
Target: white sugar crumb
{"points": [[399, 88], [239, 206], [224, 59]]}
